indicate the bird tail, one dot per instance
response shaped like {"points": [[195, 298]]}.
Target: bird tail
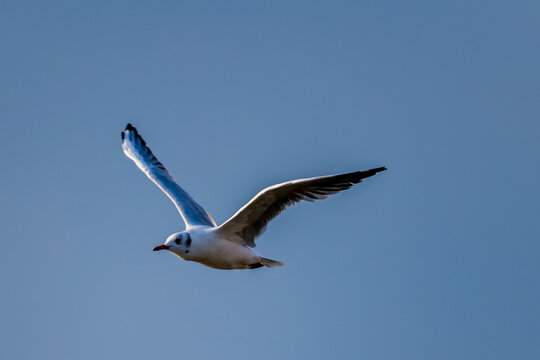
{"points": [[271, 263]]}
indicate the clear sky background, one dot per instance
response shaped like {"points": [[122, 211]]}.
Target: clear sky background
{"points": [[436, 258]]}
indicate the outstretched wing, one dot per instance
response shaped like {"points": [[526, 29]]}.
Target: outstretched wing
{"points": [[136, 149], [251, 220]]}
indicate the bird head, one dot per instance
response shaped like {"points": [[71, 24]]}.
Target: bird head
{"points": [[177, 243]]}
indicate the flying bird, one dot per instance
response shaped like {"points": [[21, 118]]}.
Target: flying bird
{"points": [[230, 245]]}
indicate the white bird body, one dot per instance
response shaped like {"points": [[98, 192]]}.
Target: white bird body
{"points": [[209, 248], [229, 246]]}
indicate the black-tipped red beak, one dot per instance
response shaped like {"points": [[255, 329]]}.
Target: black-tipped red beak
{"points": [[161, 247]]}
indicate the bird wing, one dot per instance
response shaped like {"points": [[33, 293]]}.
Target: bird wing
{"points": [[251, 220], [136, 149]]}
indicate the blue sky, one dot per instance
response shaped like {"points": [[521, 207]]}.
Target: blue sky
{"points": [[437, 258]]}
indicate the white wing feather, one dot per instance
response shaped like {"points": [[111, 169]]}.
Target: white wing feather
{"points": [[251, 220], [136, 149]]}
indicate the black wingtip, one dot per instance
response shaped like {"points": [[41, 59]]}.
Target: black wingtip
{"points": [[377, 170], [123, 136], [130, 127], [370, 172]]}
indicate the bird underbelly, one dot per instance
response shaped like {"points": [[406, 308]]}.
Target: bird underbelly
{"points": [[226, 255]]}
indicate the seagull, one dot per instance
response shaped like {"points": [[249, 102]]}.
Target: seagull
{"points": [[230, 245]]}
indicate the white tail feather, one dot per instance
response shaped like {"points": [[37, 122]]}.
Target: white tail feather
{"points": [[271, 263]]}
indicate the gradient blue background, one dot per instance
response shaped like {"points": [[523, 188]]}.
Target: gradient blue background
{"points": [[437, 258]]}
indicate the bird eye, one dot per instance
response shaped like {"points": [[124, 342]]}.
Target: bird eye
{"points": [[178, 241]]}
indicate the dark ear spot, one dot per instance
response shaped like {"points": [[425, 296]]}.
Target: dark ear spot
{"points": [[178, 241], [188, 242]]}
